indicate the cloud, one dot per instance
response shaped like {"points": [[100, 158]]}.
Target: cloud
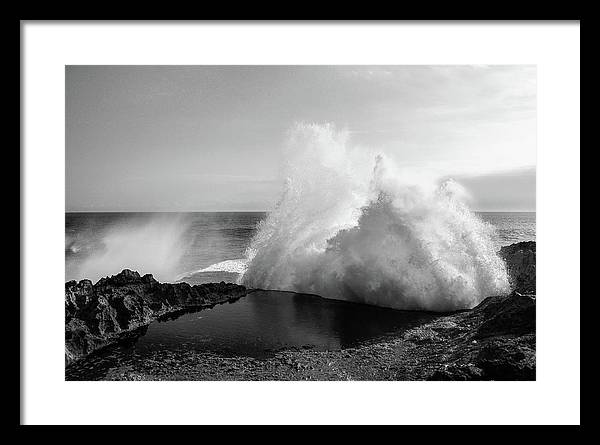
{"points": [[512, 190]]}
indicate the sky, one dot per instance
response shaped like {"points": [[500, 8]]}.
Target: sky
{"points": [[209, 138]]}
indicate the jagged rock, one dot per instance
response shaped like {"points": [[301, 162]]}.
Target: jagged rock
{"points": [[499, 344], [514, 315], [117, 307], [520, 262]]}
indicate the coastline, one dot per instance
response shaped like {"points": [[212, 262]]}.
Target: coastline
{"points": [[452, 347], [115, 308], [493, 341]]}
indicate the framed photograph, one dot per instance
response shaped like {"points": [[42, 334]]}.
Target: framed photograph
{"points": [[314, 223]]}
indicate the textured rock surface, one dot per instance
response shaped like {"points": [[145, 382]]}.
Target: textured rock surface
{"points": [[520, 261], [116, 307], [496, 341]]}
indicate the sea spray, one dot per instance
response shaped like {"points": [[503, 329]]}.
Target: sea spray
{"points": [[152, 245], [352, 226]]}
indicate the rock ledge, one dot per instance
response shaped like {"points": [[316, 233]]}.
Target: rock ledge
{"points": [[520, 262], [113, 309]]}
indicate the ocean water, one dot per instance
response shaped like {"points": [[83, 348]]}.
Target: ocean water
{"points": [[171, 246], [196, 247], [511, 227]]}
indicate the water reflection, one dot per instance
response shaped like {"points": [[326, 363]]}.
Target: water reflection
{"points": [[257, 325]]}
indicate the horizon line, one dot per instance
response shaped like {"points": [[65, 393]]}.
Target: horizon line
{"points": [[246, 211]]}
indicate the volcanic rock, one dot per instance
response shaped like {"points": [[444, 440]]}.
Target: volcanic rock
{"points": [[115, 308]]}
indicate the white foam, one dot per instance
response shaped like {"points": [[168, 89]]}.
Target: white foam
{"points": [[231, 266], [350, 225]]}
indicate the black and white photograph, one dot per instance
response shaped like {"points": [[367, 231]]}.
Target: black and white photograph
{"points": [[300, 223]]}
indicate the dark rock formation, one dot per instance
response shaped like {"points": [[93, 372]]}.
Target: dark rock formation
{"points": [[499, 343], [520, 261], [511, 315], [117, 307]]}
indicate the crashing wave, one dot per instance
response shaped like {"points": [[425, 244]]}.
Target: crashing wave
{"points": [[352, 226]]}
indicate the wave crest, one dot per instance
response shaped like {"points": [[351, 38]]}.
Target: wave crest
{"points": [[230, 266]]}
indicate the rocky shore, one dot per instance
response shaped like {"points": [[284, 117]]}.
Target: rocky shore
{"points": [[117, 307], [493, 341], [520, 262]]}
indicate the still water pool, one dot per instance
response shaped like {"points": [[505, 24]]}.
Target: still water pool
{"points": [[257, 325]]}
